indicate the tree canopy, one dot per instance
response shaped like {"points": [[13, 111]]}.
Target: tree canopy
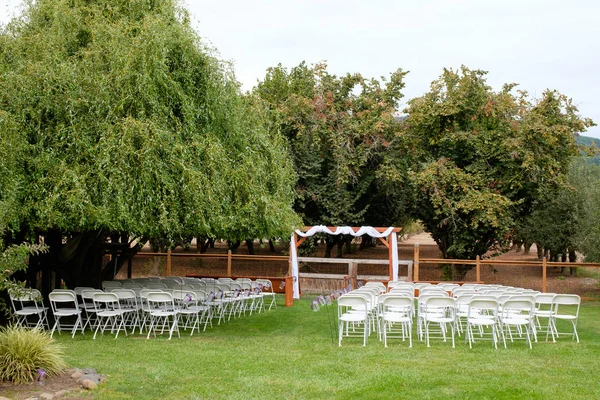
{"points": [[341, 132], [482, 158], [116, 116]]}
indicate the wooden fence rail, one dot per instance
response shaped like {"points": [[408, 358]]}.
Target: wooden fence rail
{"points": [[478, 262]]}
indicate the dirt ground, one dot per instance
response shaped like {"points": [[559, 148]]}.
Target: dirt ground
{"points": [[586, 283], [48, 385]]}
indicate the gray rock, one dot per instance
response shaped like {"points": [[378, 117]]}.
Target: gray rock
{"points": [[71, 371], [77, 375], [60, 393], [89, 385], [4, 398], [87, 371], [97, 378], [46, 396]]}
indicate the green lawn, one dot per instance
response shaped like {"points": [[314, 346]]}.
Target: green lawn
{"points": [[288, 354]]}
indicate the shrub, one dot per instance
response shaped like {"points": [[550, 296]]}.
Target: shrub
{"points": [[23, 351]]}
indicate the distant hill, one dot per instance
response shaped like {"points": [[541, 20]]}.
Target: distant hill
{"points": [[588, 141]]}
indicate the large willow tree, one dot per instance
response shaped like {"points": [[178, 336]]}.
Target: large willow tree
{"points": [[116, 121]]}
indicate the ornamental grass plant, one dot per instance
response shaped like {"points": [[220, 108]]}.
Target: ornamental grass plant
{"points": [[23, 352]]}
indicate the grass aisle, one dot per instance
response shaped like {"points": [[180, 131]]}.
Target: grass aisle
{"points": [[288, 354]]}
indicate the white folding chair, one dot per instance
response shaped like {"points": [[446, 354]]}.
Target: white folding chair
{"points": [[517, 313], [130, 308], [543, 309], [107, 285], [439, 310], [396, 309], [108, 308], [565, 307], [162, 312], [27, 303], [64, 304], [267, 291], [87, 305], [482, 314], [353, 312]]}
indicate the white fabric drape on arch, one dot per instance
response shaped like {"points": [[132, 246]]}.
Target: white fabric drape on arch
{"points": [[342, 230]]}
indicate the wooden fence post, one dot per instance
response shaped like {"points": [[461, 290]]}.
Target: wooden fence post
{"points": [[477, 269], [353, 272], [544, 270], [169, 262], [229, 263], [416, 263], [289, 291]]}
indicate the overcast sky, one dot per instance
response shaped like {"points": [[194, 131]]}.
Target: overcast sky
{"points": [[538, 44]]}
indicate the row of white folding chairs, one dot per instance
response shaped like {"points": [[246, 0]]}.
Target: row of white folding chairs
{"points": [[450, 312], [124, 308], [261, 287]]}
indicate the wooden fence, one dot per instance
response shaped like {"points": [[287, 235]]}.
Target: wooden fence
{"points": [[333, 281], [478, 262]]}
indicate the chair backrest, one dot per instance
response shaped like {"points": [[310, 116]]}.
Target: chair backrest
{"points": [[521, 306], [354, 300], [111, 284], [184, 295], [110, 300], [58, 298], [544, 298], [80, 289], [477, 306], [567, 300], [200, 295], [124, 294], [160, 298], [432, 289], [156, 285], [89, 293], [527, 297], [447, 304], [392, 300], [24, 294], [132, 285]]}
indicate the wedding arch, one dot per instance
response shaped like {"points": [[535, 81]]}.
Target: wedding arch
{"points": [[386, 235]]}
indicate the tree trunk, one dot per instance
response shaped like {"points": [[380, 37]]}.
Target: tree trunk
{"points": [[250, 246], [272, 248], [233, 246]]}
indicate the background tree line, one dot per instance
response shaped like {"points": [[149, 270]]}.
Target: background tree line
{"points": [[119, 126]]}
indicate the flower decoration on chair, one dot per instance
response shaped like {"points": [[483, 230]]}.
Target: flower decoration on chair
{"points": [[41, 372], [314, 305]]}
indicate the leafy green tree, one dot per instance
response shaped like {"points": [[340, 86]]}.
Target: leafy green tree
{"points": [[585, 176], [552, 223], [119, 123], [342, 136], [482, 158]]}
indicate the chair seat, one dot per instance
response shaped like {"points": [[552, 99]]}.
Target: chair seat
{"points": [[163, 313], [64, 312], [569, 317], [353, 317], [396, 317], [515, 321], [28, 312], [109, 313], [482, 321], [440, 320]]}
